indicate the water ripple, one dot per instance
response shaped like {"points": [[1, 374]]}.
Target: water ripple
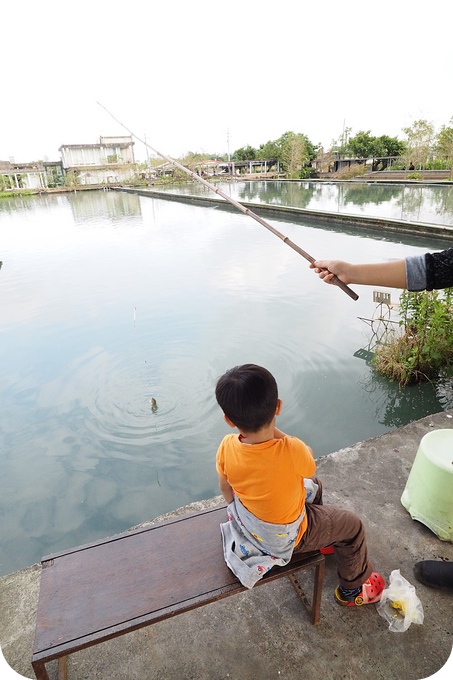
{"points": [[120, 400]]}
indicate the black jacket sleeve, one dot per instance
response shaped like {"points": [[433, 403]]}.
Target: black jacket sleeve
{"points": [[439, 269]]}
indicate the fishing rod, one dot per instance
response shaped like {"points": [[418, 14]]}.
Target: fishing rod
{"points": [[335, 280]]}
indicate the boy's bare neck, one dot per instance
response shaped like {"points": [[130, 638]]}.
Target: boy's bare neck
{"points": [[260, 437]]}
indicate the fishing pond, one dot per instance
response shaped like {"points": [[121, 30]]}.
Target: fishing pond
{"points": [[118, 314], [415, 202]]}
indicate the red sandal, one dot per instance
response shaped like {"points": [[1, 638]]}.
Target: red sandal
{"points": [[370, 592]]}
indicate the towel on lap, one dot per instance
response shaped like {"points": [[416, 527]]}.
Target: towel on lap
{"points": [[251, 546]]}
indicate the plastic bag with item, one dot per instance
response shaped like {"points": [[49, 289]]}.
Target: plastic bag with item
{"points": [[399, 604]]}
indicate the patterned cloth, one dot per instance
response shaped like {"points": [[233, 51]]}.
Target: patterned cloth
{"points": [[252, 547]]}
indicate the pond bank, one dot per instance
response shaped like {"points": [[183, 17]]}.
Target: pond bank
{"points": [[265, 632], [375, 224]]}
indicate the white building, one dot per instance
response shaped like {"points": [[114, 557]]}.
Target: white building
{"points": [[36, 175], [109, 162]]}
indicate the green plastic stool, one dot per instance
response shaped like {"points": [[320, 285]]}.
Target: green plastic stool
{"points": [[428, 495]]}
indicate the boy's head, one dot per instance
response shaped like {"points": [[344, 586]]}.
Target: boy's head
{"points": [[248, 396]]}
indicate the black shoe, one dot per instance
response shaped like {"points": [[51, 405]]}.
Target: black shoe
{"points": [[434, 573]]}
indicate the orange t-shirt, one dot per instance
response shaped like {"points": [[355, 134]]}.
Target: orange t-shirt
{"points": [[268, 478]]}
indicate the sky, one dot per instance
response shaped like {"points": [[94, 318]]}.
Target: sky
{"points": [[212, 76]]}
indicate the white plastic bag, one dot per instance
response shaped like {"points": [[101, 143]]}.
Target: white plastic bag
{"points": [[399, 604]]}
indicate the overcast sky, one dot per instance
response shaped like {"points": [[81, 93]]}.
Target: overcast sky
{"points": [[214, 76]]}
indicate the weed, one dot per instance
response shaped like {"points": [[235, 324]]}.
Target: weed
{"points": [[423, 348]]}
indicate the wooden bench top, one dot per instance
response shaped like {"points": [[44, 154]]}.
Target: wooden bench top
{"points": [[97, 591]]}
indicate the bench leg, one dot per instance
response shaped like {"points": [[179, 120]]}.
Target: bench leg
{"points": [[317, 592], [40, 670], [62, 669], [313, 608]]}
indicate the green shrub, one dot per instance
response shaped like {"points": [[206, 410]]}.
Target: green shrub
{"points": [[308, 173], [438, 164], [423, 347]]}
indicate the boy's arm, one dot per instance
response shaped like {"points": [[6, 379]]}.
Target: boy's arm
{"points": [[226, 489]]}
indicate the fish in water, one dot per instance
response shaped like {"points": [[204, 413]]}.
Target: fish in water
{"points": [[153, 403]]}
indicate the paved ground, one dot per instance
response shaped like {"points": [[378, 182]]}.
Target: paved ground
{"points": [[265, 633]]}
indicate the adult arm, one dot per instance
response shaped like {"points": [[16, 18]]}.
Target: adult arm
{"points": [[391, 274], [430, 271]]}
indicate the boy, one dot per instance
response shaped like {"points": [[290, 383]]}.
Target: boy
{"points": [[261, 476]]}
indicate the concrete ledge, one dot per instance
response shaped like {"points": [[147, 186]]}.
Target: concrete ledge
{"points": [[264, 633], [375, 224]]}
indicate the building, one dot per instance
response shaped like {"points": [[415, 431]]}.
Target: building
{"points": [[109, 162], [34, 175]]}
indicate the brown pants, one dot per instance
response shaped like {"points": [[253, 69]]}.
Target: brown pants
{"points": [[328, 525]]}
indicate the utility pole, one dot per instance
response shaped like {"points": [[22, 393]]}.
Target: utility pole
{"points": [[342, 139], [147, 153]]}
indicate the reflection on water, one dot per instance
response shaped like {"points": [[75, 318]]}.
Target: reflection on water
{"points": [[111, 300], [104, 206], [413, 203]]}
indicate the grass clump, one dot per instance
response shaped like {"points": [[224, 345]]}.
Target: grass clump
{"points": [[422, 349]]}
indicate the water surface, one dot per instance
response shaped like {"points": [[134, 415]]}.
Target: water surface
{"points": [[109, 300], [405, 202]]}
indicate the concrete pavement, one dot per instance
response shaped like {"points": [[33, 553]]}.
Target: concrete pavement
{"points": [[265, 633]]}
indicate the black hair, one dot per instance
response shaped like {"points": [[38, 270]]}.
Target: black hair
{"points": [[248, 396]]}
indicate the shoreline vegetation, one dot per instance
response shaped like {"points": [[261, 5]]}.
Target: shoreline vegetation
{"points": [[420, 349], [431, 178], [424, 154]]}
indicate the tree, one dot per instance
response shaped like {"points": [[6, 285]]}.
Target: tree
{"points": [[270, 149], [420, 139], [294, 151], [5, 182], [444, 144], [325, 160], [362, 145], [389, 146], [192, 159], [245, 153], [71, 179]]}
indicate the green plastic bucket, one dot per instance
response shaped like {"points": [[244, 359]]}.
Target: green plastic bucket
{"points": [[428, 495]]}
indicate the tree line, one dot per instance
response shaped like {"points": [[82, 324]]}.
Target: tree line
{"points": [[421, 148]]}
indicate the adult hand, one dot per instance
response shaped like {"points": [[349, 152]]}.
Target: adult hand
{"points": [[326, 269]]}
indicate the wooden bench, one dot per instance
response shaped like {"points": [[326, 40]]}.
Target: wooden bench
{"points": [[98, 591]]}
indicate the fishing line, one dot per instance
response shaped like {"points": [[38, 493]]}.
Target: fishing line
{"points": [[335, 280]]}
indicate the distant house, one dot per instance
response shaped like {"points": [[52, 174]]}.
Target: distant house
{"points": [[213, 167], [34, 175], [109, 162]]}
